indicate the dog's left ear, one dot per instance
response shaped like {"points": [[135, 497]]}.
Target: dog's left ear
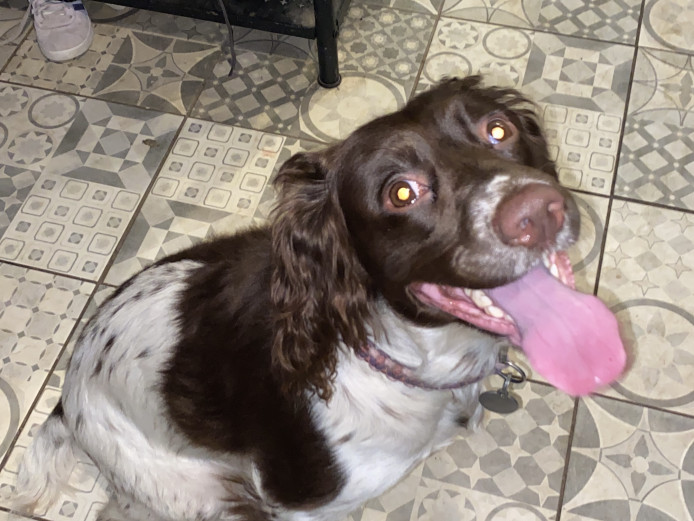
{"points": [[319, 287]]}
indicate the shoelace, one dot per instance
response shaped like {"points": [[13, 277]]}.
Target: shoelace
{"points": [[45, 8], [40, 9]]}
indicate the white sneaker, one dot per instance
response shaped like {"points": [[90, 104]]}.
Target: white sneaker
{"points": [[63, 29]]}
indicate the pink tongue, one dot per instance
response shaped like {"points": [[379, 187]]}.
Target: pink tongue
{"points": [[570, 338]]}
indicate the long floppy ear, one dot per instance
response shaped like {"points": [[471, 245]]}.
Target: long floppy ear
{"points": [[319, 287]]}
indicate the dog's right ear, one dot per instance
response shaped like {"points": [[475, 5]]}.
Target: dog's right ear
{"points": [[319, 287]]}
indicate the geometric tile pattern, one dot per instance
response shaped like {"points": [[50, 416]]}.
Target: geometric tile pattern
{"points": [[667, 25], [157, 72], [80, 76], [264, 93], [15, 185], [657, 159], [161, 24], [37, 313], [584, 144], [331, 114], [69, 226], [578, 73], [608, 20], [211, 183], [657, 163], [510, 468], [513, 14], [142, 69], [379, 52], [386, 41], [97, 159], [89, 490], [630, 463], [115, 145], [613, 21], [463, 48], [648, 280], [9, 29]]}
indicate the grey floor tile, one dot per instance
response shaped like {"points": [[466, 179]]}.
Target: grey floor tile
{"points": [[657, 157], [122, 65], [607, 20], [37, 313], [73, 172], [379, 51], [667, 25], [630, 463], [215, 181], [647, 278]]}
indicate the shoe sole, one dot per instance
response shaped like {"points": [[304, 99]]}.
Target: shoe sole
{"points": [[69, 54]]}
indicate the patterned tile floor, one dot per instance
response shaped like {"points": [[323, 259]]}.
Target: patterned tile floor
{"points": [[145, 145]]}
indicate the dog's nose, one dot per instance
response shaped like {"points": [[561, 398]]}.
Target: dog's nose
{"points": [[530, 217]]}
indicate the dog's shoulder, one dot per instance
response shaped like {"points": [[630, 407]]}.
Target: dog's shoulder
{"points": [[219, 387]]}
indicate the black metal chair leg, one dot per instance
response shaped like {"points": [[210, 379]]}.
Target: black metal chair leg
{"points": [[326, 39]]}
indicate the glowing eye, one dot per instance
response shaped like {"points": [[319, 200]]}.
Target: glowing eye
{"points": [[496, 131], [403, 193]]}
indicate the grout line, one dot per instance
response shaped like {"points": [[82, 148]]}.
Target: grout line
{"points": [[606, 226], [425, 53], [92, 97], [689, 211], [623, 400], [47, 271], [615, 176], [567, 460]]}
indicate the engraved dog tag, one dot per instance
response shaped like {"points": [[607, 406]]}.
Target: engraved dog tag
{"points": [[499, 401]]}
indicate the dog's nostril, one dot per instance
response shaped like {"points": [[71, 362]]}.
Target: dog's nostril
{"points": [[530, 217]]}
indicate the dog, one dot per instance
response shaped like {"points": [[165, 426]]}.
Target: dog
{"points": [[291, 372]]}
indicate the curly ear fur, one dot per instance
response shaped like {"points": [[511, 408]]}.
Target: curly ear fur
{"points": [[319, 287]]}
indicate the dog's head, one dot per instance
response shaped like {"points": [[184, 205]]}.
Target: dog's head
{"points": [[456, 190]]}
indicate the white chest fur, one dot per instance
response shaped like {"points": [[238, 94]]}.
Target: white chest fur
{"points": [[380, 429]]}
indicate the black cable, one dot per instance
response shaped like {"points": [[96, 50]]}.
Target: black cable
{"points": [[230, 30]]}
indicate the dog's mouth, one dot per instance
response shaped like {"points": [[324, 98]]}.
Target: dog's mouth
{"points": [[570, 338]]}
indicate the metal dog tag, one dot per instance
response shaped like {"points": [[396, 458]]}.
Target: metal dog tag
{"points": [[500, 401]]}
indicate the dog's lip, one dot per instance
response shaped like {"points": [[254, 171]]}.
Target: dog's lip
{"points": [[478, 309], [458, 303]]}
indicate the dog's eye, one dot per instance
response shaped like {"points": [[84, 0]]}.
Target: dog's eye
{"points": [[403, 193], [497, 131]]}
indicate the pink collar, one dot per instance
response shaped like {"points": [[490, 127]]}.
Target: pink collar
{"points": [[383, 363]]}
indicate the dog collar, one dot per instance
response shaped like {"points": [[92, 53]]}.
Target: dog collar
{"points": [[381, 362]]}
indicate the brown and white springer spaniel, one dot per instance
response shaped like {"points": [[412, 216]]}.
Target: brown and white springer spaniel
{"points": [[291, 372]]}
